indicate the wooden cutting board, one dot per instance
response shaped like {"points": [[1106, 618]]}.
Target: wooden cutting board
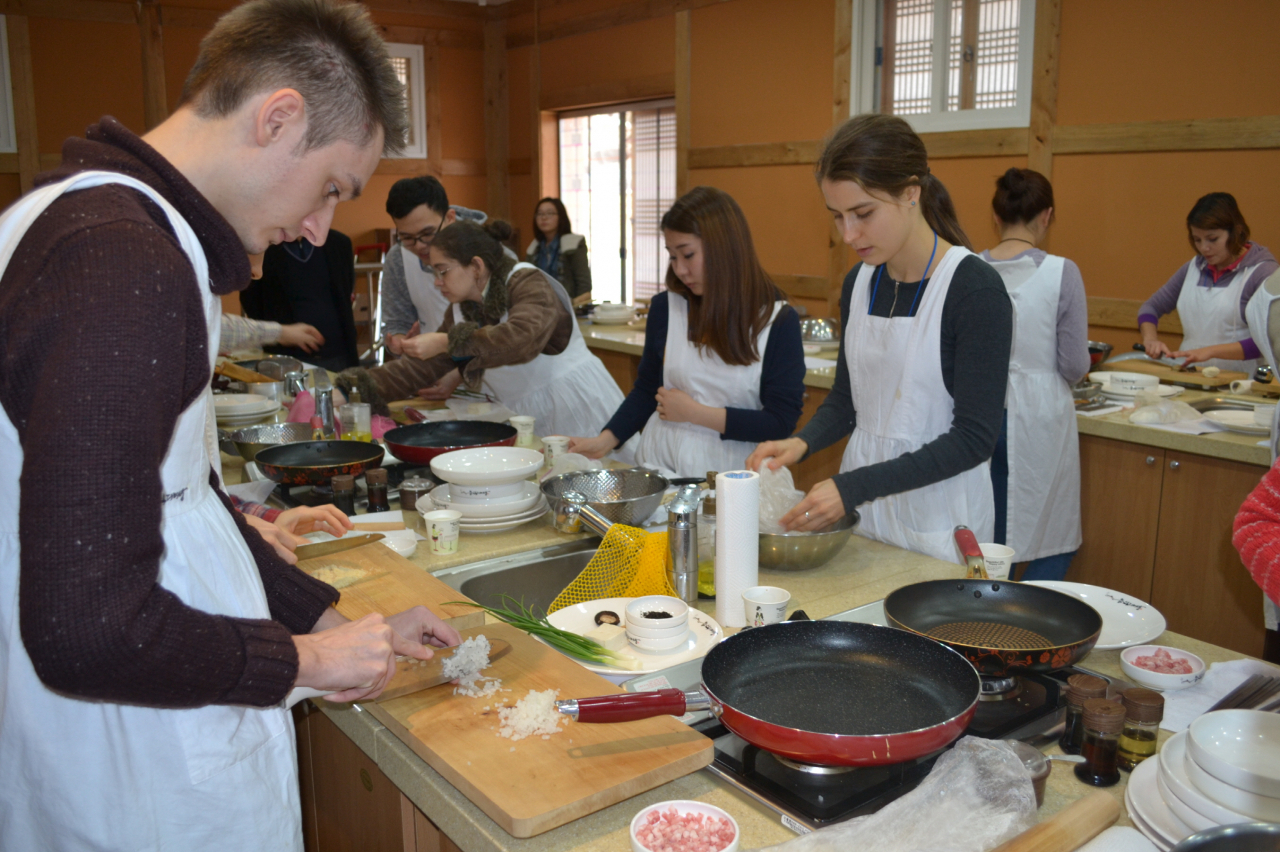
{"points": [[375, 578], [534, 785], [1170, 376]]}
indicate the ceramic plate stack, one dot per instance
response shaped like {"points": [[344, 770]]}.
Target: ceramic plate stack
{"points": [[611, 314], [490, 486], [1223, 770], [1124, 387], [242, 409]]}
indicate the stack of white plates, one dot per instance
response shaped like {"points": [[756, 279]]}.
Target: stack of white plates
{"points": [[611, 314], [242, 409], [490, 486], [1223, 770], [495, 515], [1125, 391]]}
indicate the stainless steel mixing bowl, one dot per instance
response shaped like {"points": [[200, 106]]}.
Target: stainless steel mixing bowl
{"points": [[800, 551], [623, 496], [816, 330], [252, 439]]}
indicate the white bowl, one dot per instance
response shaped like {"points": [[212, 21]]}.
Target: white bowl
{"points": [[442, 498], [1264, 808], [1156, 680], [404, 546], [1192, 817], [683, 807], [1240, 747], [660, 646], [676, 628], [487, 465], [636, 610], [1123, 381], [1263, 414], [1172, 758], [507, 492]]}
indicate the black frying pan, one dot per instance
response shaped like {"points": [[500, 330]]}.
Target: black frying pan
{"points": [[316, 462], [825, 692], [419, 443]]}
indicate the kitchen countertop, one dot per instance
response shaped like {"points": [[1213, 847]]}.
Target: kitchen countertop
{"points": [[863, 572]]}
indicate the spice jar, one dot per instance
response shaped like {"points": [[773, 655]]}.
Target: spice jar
{"points": [[344, 493], [376, 480], [412, 490], [707, 541], [1103, 722], [1080, 688], [1143, 710]]}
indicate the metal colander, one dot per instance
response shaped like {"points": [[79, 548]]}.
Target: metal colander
{"points": [[623, 496]]}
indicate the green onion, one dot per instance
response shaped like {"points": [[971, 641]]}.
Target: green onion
{"points": [[526, 619]]}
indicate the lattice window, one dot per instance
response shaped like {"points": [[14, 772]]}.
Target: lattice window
{"points": [[407, 59]]}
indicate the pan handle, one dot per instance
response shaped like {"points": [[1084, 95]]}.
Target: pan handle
{"points": [[972, 554], [628, 707]]}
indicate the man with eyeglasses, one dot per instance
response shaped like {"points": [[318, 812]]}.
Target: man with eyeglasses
{"points": [[419, 208]]}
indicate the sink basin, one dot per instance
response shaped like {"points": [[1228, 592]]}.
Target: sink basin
{"points": [[535, 577], [1221, 403]]}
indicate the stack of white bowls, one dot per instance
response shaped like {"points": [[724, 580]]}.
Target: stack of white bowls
{"points": [[611, 314], [657, 624], [1223, 770], [490, 486], [233, 410]]}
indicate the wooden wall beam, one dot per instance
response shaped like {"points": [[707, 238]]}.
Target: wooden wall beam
{"points": [[759, 154], [684, 110], [101, 11], [435, 111], [459, 39], [155, 97], [837, 252], [649, 87], [1044, 86], [185, 16], [1123, 313], [440, 167], [803, 286], [536, 141], [1200, 134], [497, 118], [24, 101]]}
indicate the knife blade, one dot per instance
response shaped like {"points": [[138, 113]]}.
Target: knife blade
{"points": [[328, 548], [414, 675]]}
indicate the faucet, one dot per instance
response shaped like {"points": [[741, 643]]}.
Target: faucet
{"points": [[324, 402], [682, 542]]}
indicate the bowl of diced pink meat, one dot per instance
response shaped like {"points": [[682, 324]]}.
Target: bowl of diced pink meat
{"points": [[683, 826], [1158, 667]]}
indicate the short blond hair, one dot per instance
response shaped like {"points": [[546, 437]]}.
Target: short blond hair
{"points": [[330, 52]]}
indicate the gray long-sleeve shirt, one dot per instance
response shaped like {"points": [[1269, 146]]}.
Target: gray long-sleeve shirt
{"points": [[1073, 312]]}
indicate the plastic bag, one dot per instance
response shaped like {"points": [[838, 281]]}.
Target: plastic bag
{"points": [[571, 462], [978, 796], [1153, 409], [778, 495]]}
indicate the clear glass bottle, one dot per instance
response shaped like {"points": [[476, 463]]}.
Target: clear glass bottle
{"points": [[707, 541], [344, 493], [412, 490], [1103, 722], [376, 480], [1080, 688], [1143, 710]]}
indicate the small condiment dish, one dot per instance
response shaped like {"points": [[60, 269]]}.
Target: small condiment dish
{"points": [[1240, 747], [675, 628], [683, 807], [674, 611], [660, 646], [1156, 680]]}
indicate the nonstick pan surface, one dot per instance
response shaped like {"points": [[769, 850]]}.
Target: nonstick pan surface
{"points": [[316, 462]]}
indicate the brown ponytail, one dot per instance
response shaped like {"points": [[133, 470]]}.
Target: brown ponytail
{"points": [[882, 153]]}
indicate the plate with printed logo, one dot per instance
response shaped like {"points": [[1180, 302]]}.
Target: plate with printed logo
{"points": [[1126, 621]]}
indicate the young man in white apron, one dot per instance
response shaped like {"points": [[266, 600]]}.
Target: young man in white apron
{"points": [[147, 638]]}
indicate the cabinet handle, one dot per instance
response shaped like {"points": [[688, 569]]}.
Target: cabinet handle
{"points": [[1151, 460], [1173, 465]]}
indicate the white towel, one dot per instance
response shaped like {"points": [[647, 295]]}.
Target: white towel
{"points": [[1119, 838], [1181, 707]]}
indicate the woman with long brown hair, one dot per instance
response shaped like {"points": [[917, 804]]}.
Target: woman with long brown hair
{"points": [[723, 366], [924, 353]]}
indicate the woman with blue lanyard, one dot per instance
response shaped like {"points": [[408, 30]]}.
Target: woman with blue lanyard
{"points": [[924, 355]]}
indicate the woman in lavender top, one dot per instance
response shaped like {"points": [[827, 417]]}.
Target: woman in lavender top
{"points": [[1035, 471], [1212, 289]]}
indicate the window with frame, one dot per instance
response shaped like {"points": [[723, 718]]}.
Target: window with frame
{"points": [[8, 135], [946, 64], [408, 63]]}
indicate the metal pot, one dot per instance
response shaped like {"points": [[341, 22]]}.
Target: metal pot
{"points": [[799, 551], [1098, 352], [251, 440]]}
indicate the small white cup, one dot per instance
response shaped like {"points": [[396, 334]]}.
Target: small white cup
{"points": [[554, 446], [765, 605], [524, 429], [442, 530], [999, 560]]}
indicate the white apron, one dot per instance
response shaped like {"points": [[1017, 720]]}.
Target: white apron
{"points": [[895, 371], [687, 449], [81, 774], [1043, 444], [568, 394], [1211, 315], [1258, 312], [423, 292]]}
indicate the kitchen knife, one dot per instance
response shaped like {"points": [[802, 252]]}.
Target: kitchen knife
{"points": [[414, 675], [328, 548]]}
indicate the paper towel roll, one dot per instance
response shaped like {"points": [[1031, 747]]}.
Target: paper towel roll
{"points": [[737, 542], [1241, 386]]}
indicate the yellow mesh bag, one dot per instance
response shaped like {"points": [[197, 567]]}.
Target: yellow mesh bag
{"points": [[629, 564]]}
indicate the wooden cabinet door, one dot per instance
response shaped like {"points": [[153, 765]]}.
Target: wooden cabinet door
{"points": [[1120, 514], [1201, 585], [357, 808]]}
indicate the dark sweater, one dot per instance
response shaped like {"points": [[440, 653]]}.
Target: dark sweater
{"points": [[103, 344], [977, 333], [781, 382]]}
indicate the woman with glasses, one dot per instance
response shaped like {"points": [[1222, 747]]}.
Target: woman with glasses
{"points": [[510, 331], [559, 253]]}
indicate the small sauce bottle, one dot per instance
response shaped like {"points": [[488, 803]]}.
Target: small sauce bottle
{"points": [[344, 493], [412, 490], [1103, 722], [376, 480], [1080, 688], [1143, 710]]}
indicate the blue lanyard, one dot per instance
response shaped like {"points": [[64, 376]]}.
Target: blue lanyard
{"points": [[875, 289]]}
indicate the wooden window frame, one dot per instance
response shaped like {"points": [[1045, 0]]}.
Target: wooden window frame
{"points": [[418, 103]]}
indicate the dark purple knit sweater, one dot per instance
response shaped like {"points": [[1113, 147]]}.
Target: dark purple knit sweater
{"points": [[102, 345]]}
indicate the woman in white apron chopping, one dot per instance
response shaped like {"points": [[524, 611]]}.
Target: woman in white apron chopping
{"points": [[924, 356], [1211, 290], [1035, 470], [723, 365], [510, 331]]}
